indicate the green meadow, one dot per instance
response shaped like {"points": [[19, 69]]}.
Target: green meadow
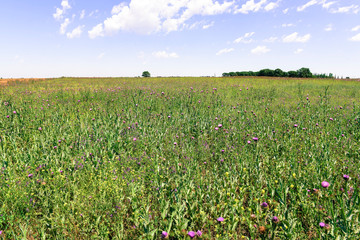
{"points": [[180, 158]]}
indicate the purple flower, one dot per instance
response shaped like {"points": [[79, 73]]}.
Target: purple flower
{"points": [[255, 139], [275, 219], [30, 175], [264, 205], [220, 219], [331, 119], [199, 233], [14, 112], [322, 225], [164, 234], [346, 177], [220, 125], [175, 143], [216, 128], [248, 142], [295, 125], [192, 234], [7, 116], [134, 139], [40, 128], [325, 184]]}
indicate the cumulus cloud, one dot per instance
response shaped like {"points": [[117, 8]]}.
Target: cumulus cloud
{"points": [[260, 50], [148, 16], [76, 33], [208, 25], [245, 39], [271, 39], [225, 50], [59, 12], [357, 28], [271, 6], [285, 11], [355, 38], [328, 28], [306, 5], [64, 25], [82, 14], [250, 6], [294, 37], [348, 9], [287, 25], [165, 54], [97, 31]]}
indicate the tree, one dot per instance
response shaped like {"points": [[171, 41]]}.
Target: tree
{"points": [[146, 74], [304, 73]]}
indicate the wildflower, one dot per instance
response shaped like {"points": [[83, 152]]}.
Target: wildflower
{"points": [[322, 225], [39, 128], [331, 119], [255, 139], [264, 205], [175, 143], [346, 177], [7, 116], [30, 175], [262, 229], [14, 112], [220, 219], [253, 216], [275, 219], [248, 142], [134, 139], [325, 184], [164, 234], [295, 125], [199, 233], [220, 125], [192, 234]]}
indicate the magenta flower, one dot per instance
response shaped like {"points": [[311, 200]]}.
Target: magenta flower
{"points": [[346, 177], [216, 128], [14, 112], [192, 234], [220, 219], [264, 205], [255, 139], [295, 125], [30, 175], [7, 116], [199, 233], [322, 225], [164, 234], [220, 125], [134, 139], [275, 219], [40, 128], [325, 184], [175, 143]]}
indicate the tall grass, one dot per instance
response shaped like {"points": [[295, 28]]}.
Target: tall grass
{"points": [[132, 158]]}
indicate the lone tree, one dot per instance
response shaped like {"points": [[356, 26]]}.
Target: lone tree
{"points": [[146, 74]]}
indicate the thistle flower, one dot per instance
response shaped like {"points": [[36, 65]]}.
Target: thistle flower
{"points": [[30, 175], [346, 177], [220, 219], [275, 219], [325, 184], [322, 225], [199, 233], [192, 234], [164, 234], [264, 205], [255, 139]]}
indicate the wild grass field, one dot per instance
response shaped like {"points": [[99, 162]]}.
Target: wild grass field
{"points": [[180, 158]]}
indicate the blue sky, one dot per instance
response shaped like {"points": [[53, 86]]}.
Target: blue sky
{"points": [[43, 38]]}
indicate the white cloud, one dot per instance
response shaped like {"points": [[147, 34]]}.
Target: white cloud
{"points": [[164, 54], [348, 9], [294, 37], [64, 25], [355, 38], [328, 28], [260, 50], [97, 31], [245, 39], [299, 50], [148, 16], [306, 5], [76, 33], [271, 39], [208, 25], [58, 15], [250, 6], [357, 28], [225, 50], [271, 6], [82, 14], [287, 25], [327, 4], [285, 11]]}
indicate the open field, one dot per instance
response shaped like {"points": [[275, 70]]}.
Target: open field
{"points": [[131, 158]]}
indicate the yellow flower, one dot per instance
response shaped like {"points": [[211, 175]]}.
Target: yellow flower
{"points": [[294, 175], [292, 186], [227, 173], [276, 181], [263, 191]]}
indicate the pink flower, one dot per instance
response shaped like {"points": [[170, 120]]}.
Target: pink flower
{"points": [[220, 219], [325, 184]]}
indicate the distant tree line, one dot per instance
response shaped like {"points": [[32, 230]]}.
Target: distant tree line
{"points": [[301, 73]]}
